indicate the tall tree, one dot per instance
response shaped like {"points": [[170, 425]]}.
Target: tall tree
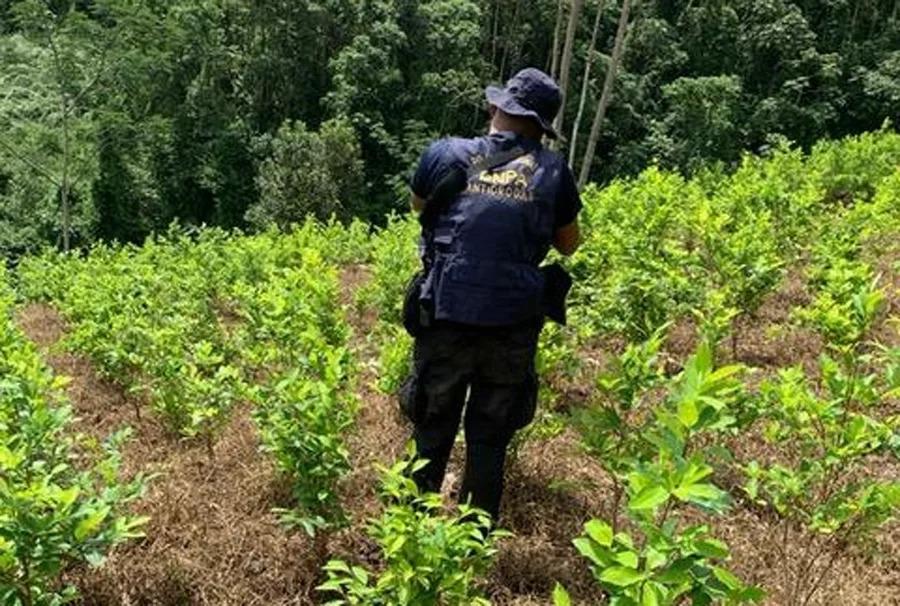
{"points": [[77, 49], [585, 82], [557, 34], [566, 63], [606, 95], [181, 132]]}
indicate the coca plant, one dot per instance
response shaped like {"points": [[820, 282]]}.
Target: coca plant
{"points": [[57, 505], [430, 557], [651, 451], [828, 430], [295, 343], [145, 316]]}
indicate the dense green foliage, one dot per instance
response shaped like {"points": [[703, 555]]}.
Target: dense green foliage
{"points": [[660, 250], [118, 116], [61, 498], [430, 558], [659, 246], [295, 339], [204, 321], [197, 323]]}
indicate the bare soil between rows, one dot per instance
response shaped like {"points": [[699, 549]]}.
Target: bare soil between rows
{"points": [[213, 538]]}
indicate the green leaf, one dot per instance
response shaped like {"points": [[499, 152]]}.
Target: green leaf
{"points": [[695, 472], [361, 575], [751, 594], [561, 596], [91, 523], [649, 595], [688, 413], [712, 548], [395, 545], [66, 498], [7, 459], [588, 549], [599, 531], [337, 566], [95, 558], [677, 573], [655, 559], [621, 576], [727, 578], [628, 559], [650, 497]]}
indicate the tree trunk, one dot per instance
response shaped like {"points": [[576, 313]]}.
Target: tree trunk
{"points": [[566, 64], [554, 52], [514, 28], [64, 185], [606, 96], [585, 82], [494, 27]]}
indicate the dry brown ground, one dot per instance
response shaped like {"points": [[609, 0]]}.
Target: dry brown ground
{"points": [[213, 539]]}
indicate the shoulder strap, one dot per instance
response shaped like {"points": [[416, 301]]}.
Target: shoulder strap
{"points": [[455, 181], [496, 159]]}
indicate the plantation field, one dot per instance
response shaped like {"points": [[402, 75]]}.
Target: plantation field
{"points": [[718, 423]]}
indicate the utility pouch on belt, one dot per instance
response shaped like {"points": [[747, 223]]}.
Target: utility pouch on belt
{"points": [[557, 284]]}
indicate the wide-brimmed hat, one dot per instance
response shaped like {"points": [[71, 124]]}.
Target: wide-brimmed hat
{"points": [[530, 93]]}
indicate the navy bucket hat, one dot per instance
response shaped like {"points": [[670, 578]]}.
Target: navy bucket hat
{"points": [[530, 93]]}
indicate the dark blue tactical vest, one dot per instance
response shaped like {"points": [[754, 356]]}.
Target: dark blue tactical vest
{"points": [[489, 243]]}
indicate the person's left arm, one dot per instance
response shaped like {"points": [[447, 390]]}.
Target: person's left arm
{"points": [[567, 234]]}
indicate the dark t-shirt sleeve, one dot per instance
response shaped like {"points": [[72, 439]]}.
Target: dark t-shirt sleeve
{"points": [[430, 170], [568, 201]]}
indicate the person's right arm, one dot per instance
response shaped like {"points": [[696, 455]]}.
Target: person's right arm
{"points": [[428, 173], [567, 238]]}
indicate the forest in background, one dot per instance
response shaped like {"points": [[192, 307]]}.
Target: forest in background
{"points": [[118, 116]]}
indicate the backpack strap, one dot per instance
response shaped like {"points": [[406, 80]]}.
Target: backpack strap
{"points": [[455, 182], [494, 160]]}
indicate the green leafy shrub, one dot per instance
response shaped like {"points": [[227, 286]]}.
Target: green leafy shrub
{"points": [[430, 557], [394, 261], [651, 452], [295, 340], [635, 272], [666, 567], [308, 173], [395, 359], [827, 432], [193, 319], [146, 317], [54, 508]]}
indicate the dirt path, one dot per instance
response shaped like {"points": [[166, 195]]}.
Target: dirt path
{"points": [[379, 435]]}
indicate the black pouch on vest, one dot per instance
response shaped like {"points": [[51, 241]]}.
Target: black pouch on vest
{"points": [[557, 284]]}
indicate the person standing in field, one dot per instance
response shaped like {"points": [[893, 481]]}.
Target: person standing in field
{"points": [[482, 288]]}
